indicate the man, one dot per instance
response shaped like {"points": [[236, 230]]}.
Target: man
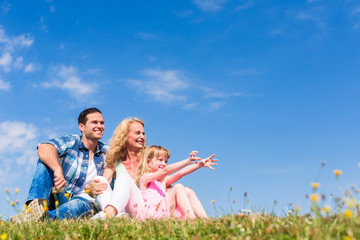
{"points": [[65, 171]]}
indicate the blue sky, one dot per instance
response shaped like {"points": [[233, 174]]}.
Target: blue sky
{"points": [[271, 87]]}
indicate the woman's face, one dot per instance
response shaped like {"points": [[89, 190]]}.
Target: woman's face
{"points": [[136, 136]]}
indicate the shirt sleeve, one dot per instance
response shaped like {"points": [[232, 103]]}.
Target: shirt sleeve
{"points": [[61, 143]]}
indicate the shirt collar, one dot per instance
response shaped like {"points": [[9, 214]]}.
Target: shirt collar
{"points": [[100, 148]]}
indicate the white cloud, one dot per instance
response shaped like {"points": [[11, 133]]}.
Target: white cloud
{"points": [[18, 142], [5, 7], [4, 85], [68, 79], [210, 5], [183, 13], [5, 61], [146, 36], [244, 6], [213, 106], [190, 105], [162, 85], [168, 86], [31, 68], [9, 48]]}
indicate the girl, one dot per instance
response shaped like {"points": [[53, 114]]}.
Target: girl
{"points": [[153, 181]]}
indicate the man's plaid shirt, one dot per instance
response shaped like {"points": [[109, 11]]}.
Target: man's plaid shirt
{"points": [[74, 160]]}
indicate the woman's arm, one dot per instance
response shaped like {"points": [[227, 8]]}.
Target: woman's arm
{"points": [[207, 162], [149, 177]]}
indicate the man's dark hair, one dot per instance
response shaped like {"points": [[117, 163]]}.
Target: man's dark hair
{"points": [[82, 117]]}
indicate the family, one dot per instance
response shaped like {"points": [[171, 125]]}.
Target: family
{"points": [[79, 176]]}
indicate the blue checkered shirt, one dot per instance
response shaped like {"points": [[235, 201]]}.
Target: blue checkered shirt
{"points": [[74, 159]]}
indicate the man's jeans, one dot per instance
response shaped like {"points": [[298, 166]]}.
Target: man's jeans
{"points": [[73, 207]]}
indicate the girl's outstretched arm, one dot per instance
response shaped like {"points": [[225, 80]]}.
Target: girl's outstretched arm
{"points": [[207, 162], [149, 177]]}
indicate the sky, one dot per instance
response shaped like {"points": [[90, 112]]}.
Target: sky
{"points": [[271, 87]]}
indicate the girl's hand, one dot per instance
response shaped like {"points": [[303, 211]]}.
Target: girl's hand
{"points": [[193, 158], [208, 162]]}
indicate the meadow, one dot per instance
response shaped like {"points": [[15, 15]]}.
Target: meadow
{"points": [[339, 221]]}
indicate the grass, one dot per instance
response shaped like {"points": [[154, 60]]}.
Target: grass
{"points": [[255, 226], [342, 221]]}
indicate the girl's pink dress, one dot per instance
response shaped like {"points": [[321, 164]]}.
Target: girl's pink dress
{"points": [[156, 204]]}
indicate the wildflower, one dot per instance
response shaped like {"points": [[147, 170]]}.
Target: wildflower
{"points": [[212, 201], [12, 203], [323, 196], [230, 189], [67, 195], [87, 191], [326, 209], [347, 213], [17, 201], [245, 194], [17, 190], [337, 172], [323, 163], [297, 208], [4, 236], [314, 197], [29, 210], [7, 190], [350, 202], [46, 208], [233, 200], [315, 185], [348, 238], [275, 202], [56, 203]]}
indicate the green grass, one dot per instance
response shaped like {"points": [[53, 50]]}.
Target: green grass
{"points": [[256, 226]]}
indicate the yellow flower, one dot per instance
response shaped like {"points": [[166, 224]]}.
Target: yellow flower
{"points": [[17, 190], [12, 203], [46, 208], [212, 201], [326, 209], [314, 197], [56, 203], [67, 195], [337, 172], [4, 236], [347, 238], [315, 185], [87, 191], [347, 213], [29, 210]]}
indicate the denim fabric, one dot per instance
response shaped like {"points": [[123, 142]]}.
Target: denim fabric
{"points": [[68, 208], [75, 207]]}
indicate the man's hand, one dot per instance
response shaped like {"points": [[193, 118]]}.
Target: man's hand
{"points": [[95, 187], [59, 180]]}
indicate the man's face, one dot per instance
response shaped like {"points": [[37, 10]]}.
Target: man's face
{"points": [[94, 127]]}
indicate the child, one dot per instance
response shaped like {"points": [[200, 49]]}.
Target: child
{"points": [[153, 181]]}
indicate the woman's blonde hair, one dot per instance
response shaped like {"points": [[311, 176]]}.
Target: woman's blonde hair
{"points": [[148, 154], [117, 148]]}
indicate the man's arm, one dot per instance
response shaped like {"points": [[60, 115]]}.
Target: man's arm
{"points": [[48, 155]]}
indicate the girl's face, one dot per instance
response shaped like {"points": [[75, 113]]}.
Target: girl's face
{"points": [[136, 136], [158, 162]]}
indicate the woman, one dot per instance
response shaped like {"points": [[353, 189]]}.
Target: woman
{"points": [[122, 159]]}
